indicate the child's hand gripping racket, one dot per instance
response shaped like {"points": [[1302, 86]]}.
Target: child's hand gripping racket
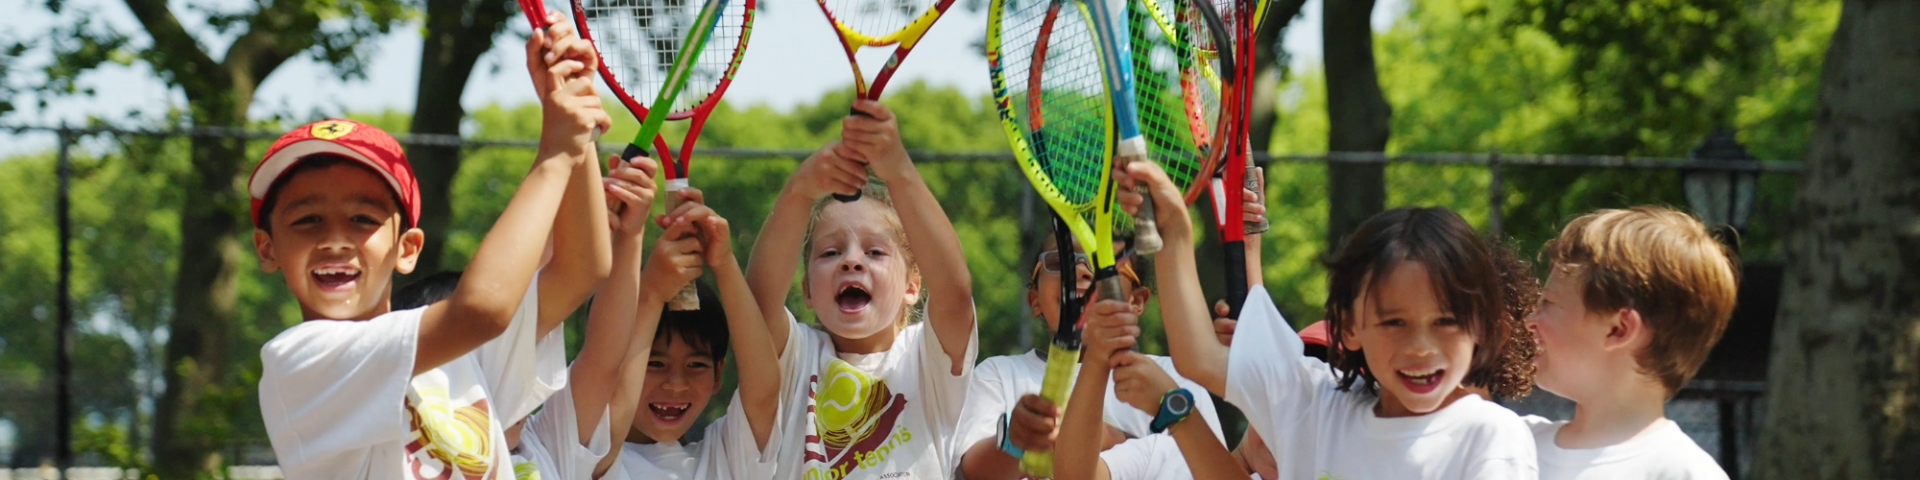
{"points": [[878, 23], [683, 56]]}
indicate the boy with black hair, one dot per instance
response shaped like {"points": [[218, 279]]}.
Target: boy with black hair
{"points": [[358, 390]]}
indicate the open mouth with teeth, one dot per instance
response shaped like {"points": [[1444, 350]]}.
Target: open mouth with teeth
{"points": [[669, 412], [335, 278], [1421, 382], [853, 298]]}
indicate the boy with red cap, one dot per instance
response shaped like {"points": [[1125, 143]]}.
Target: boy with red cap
{"points": [[360, 391]]}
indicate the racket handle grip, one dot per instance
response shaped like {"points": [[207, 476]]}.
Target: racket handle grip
{"points": [[632, 152], [1055, 388], [855, 197], [1257, 183], [1146, 230], [688, 298]]}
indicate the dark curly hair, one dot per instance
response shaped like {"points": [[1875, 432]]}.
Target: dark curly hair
{"points": [[1479, 281]]}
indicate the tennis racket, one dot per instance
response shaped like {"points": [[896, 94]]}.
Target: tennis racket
{"points": [[683, 55], [1050, 90], [878, 23], [1236, 170], [1117, 66]]}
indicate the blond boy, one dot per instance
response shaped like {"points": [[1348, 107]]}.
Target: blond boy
{"points": [[1635, 300]]}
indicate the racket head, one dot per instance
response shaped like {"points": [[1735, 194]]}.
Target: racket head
{"points": [[640, 41], [873, 23], [1177, 134], [1057, 118]]}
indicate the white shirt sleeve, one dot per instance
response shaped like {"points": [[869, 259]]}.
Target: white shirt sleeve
{"points": [[730, 446], [1153, 457], [522, 371], [1265, 375], [799, 360], [986, 401], [944, 392], [329, 388], [557, 428]]}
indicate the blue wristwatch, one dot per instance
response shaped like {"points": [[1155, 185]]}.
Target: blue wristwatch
{"points": [[1006, 441], [1174, 407]]}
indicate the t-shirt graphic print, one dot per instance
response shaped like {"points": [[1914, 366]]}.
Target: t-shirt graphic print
{"points": [[885, 415], [856, 421], [450, 436]]}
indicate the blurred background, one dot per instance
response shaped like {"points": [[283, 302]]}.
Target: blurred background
{"points": [[132, 309]]}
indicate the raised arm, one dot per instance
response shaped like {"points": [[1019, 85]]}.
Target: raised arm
{"points": [[875, 139], [753, 348], [1197, 352], [584, 256], [675, 262], [1112, 328], [595, 374], [483, 305], [775, 258]]}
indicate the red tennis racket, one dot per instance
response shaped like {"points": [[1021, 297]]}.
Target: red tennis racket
{"points": [[878, 23]]}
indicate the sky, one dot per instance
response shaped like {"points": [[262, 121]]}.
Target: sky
{"points": [[793, 59]]}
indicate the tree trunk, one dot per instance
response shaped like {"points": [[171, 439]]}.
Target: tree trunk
{"points": [[1844, 381], [458, 32], [189, 427], [1271, 59], [1357, 117]]}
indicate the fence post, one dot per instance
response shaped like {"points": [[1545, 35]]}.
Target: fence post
{"points": [[1497, 198], [62, 363]]}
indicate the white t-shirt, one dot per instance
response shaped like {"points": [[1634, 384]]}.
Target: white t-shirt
{"points": [[339, 399], [550, 446], [1153, 457], [888, 415], [1662, 453], [1317, 431], [726, 452], [999, 382]]}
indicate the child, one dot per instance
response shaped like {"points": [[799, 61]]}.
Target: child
{"points": [[1004, 389], [881, 394], [995, 399], [1415, 297], [674, 371], [360, 391], [1634, 302]]}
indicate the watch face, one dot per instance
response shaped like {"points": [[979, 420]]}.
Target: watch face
{"points": [[1179, 403]]}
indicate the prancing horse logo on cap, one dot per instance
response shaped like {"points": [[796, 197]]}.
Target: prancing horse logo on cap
{"points": [[331, 130]]}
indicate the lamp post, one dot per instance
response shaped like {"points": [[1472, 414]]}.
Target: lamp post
{"points": [[1721, 194]]}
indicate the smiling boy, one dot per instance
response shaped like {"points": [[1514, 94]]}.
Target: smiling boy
{"points": [[357, 390]]}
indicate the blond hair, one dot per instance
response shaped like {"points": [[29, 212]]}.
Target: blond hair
{"points": [[875, 190], [1663, 264]]}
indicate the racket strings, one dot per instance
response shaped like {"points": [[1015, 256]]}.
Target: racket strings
{"points": [[640, 40], [876, 18], [1160, 99], [1067, 128]]}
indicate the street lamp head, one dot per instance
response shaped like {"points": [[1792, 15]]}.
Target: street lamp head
{"points": [[1722, 191]]}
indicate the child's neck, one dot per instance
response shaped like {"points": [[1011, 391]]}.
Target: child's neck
{"points": [[880, 341], [1615, 414]]}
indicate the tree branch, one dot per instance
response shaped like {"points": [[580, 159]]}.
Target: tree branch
{"points": [[175, 53]]}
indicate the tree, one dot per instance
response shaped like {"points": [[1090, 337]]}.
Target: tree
{"points": [[1358, 116], [457, 33], [1843, 378], [191, 415]]}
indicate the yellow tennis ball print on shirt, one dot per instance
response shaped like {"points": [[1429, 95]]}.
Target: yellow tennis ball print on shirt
{"points": [[848, 404]]}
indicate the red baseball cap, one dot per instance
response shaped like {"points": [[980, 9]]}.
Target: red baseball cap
{"points": [[366, 144]]}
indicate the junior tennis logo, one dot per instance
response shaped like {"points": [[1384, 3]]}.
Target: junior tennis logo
{"points": [[855, 421]]}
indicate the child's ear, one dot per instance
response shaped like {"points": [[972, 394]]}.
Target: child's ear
{"points": [[1349, 339], [913, 289], [1033, 300], [263, 247], [1138, 298], [411, 243], [1627, 330]]}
